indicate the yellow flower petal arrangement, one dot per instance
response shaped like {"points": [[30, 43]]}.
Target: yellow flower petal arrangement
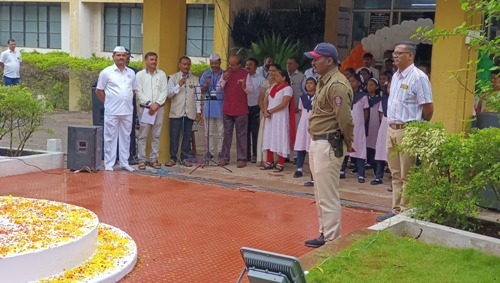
{"points": [[59, 242]]}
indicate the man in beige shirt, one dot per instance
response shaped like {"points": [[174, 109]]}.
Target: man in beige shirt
{"points": [[152, 93], [330, 117]]}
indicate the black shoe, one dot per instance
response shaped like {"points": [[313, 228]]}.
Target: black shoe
{"points": [[355, 171], [376, 182], [361, 180], [309, 184], [385, 216], [342, 175], [316, 243], [297, 174]]}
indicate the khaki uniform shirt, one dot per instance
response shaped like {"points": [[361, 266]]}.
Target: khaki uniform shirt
{"points": [[332, 106]]}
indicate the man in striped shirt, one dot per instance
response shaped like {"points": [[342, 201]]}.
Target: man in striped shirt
{"points": [[410, 100]]}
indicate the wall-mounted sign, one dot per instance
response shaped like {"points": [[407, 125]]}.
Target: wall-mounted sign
{"points": [[378, 21]]}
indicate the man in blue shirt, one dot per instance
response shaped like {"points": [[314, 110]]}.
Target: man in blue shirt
{"points": [[212, 109]]}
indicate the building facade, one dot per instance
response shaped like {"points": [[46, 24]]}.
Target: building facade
{"points": [[172, 28], [86, 27]]}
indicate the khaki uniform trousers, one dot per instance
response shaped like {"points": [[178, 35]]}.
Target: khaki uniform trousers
{"points": [[399, 164], [325, 168]]}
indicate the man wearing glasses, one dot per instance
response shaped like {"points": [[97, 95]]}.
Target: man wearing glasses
{"points": [[410, 100]]}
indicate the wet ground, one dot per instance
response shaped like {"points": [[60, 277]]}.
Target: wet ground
{"points": [[189, 226]]}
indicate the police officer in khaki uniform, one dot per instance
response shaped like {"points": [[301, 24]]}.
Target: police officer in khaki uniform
{"points": [[331, 128]]}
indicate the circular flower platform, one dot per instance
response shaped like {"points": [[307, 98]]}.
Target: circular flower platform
{"points": [[47, 241]]}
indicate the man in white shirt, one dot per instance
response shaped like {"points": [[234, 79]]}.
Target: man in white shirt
{"points": [[116, 87], [368, 62], [152, 93], [264, 69], [10, 61], [184, 93], [253, 108]]}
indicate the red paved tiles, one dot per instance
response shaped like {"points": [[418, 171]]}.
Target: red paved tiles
{"points": [[186, 232]]}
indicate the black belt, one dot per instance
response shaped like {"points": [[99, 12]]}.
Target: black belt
{"points": [[320, 137]]}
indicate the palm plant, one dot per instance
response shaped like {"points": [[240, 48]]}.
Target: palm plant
{"points": [[278, 47]]}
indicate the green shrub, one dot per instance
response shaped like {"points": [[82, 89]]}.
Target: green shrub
{"points": [[455, 170], [49, 74], [21, 115], [199, 68]]}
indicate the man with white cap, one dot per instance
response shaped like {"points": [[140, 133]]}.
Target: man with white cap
{"points": [[212, 108], [331, 128], [116, 88]]}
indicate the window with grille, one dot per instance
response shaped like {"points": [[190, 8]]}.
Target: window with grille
{"points": [[34, 25], [200, 30], [123, 27]]}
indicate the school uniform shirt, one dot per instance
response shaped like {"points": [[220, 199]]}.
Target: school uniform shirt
{"points": [[360, 103], [373, 123], [303, 138]]}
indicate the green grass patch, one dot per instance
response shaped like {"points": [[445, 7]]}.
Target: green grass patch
{"points": [[384, 257]]}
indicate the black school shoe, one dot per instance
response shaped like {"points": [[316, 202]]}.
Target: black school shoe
{"points": [[298, 174], [361, 180], [376, 182], [316, 243], [309, 184]]}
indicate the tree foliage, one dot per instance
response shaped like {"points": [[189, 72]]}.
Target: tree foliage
{"points": [[479, 39], [21, 115]]}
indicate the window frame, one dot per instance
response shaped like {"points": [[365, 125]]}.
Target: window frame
{"points": [[120, 36], [49, 32]]}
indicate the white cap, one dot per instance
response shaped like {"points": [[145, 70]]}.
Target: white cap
{"points": [[120, 49], [214, 57]]}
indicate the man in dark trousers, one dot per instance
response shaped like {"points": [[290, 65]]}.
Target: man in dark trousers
{"points": [[133, 146]]}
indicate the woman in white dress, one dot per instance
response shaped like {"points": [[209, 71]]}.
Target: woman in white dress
{"points": [[303, 138], [277, 124], [359, 113]]}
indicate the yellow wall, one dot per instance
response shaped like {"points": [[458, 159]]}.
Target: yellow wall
{"points": [[221, 30], [452, 103], [165, 34], [331, 22]]}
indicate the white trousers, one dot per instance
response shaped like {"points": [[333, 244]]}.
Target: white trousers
{"points": [[216, 129], [117, 129], [144, 130]]}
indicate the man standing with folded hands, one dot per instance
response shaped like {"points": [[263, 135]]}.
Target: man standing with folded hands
{"points": [[152, 93]]}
